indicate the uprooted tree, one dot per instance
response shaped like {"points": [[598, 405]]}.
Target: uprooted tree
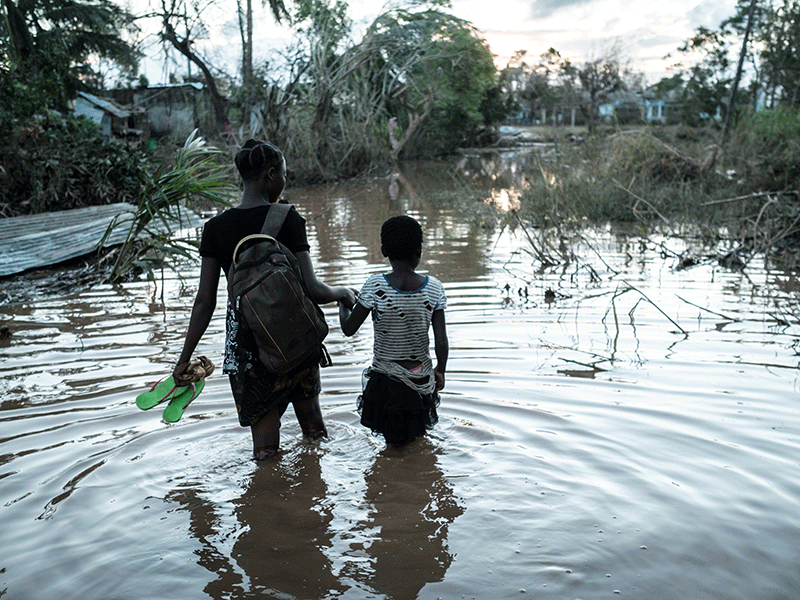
{"points": [[427, 70]]}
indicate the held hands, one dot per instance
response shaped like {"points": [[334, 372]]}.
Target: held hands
{"points": [[349, 299]]}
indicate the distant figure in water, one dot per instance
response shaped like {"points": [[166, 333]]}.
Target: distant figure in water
{"points": [[261, 396], [401, 395]]}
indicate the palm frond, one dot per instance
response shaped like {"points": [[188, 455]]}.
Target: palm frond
{"points": [[197, 173]]}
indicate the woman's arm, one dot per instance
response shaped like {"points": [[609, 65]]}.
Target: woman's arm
{"points": [[204, 304], [440, 346], [320, 292]]}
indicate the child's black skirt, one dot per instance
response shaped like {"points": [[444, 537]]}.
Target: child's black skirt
{"points": [[395, 410]]}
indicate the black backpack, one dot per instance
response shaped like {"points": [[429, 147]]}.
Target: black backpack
{"points": [[269, 298]]}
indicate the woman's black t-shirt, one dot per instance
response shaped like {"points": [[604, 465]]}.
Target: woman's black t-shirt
{"points": [[223, 232]]}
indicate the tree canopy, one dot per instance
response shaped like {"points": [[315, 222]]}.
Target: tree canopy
{"points": [[427, 73], [435, 72], [770, 61], [48, 47]]}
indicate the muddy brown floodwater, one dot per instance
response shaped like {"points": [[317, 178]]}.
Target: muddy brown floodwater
{"points": [[634, 434]]}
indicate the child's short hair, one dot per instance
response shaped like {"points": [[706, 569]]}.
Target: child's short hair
{"points": [[401, 238], [254, 156]]}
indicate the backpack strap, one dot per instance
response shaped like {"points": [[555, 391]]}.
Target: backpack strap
{"points": [[275, 218]]}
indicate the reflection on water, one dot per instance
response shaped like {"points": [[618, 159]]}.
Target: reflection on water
{"points": [[284, 515], [410, 508], [611, 426]]}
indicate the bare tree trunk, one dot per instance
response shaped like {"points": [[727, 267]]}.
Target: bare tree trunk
{"points": [[414, 121], [218, 101], [248, 45], [735, 89], [246, 32]]}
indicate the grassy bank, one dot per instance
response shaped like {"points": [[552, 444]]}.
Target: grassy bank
{"points": [[676, 178]]}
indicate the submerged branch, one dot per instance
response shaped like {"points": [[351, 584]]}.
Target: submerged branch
{"points": [[653, 304], [545, 259], [658, 308], [745, 197], [727, 318], [640, 199]]}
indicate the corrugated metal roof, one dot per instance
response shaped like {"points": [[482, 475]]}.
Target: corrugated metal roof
{"points": [[34, 241], [106, 105]]}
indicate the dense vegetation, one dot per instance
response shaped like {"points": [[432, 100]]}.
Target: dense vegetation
{"points": [[418, 83], [678, 180], [59, 163], [330, 105]]}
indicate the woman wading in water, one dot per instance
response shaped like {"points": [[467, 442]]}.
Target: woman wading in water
{"points": [[261, 396]]}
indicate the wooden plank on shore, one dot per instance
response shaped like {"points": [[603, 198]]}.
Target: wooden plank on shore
{"points": [[35, 241]]}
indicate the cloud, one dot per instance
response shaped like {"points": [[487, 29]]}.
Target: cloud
{"points": [[710, 13], [544, 9], [579, 29]]}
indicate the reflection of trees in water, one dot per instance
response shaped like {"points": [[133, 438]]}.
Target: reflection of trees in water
{"points": [[500, 170], [411, 508], [452, 199]]}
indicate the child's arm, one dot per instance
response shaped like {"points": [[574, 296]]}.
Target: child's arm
{"points": [[351, 320], [440, 346]]}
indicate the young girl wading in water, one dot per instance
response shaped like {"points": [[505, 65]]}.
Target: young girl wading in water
{"points": [[261, 396], [401, 394]]}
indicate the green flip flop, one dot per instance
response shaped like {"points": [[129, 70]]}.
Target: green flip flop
{"points": [[160, 392], [174, 410]]}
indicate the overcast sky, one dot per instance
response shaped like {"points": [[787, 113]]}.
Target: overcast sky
{"points": [[646, 30]]}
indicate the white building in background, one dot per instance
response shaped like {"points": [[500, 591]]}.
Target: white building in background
{"points": [[115, 121]]}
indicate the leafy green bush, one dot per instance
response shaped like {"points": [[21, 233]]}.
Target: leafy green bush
{"points": [[765, 150], [197, 173], [59, 163]]}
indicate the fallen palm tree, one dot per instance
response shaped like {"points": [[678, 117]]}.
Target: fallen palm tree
{"points": [[196, 174]]}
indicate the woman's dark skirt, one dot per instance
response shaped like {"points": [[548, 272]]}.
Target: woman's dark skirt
{"points": [[393, 409], [256, 391]]}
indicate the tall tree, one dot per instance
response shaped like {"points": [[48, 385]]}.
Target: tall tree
{"points": [[245, 12], [599, 78], [426, 72], [183, 23], [324, 26], [532, 86], [434, 71], [48, 46], [771, 61], [776, 35], [739, 68], [708, 74], [177, 16]]}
